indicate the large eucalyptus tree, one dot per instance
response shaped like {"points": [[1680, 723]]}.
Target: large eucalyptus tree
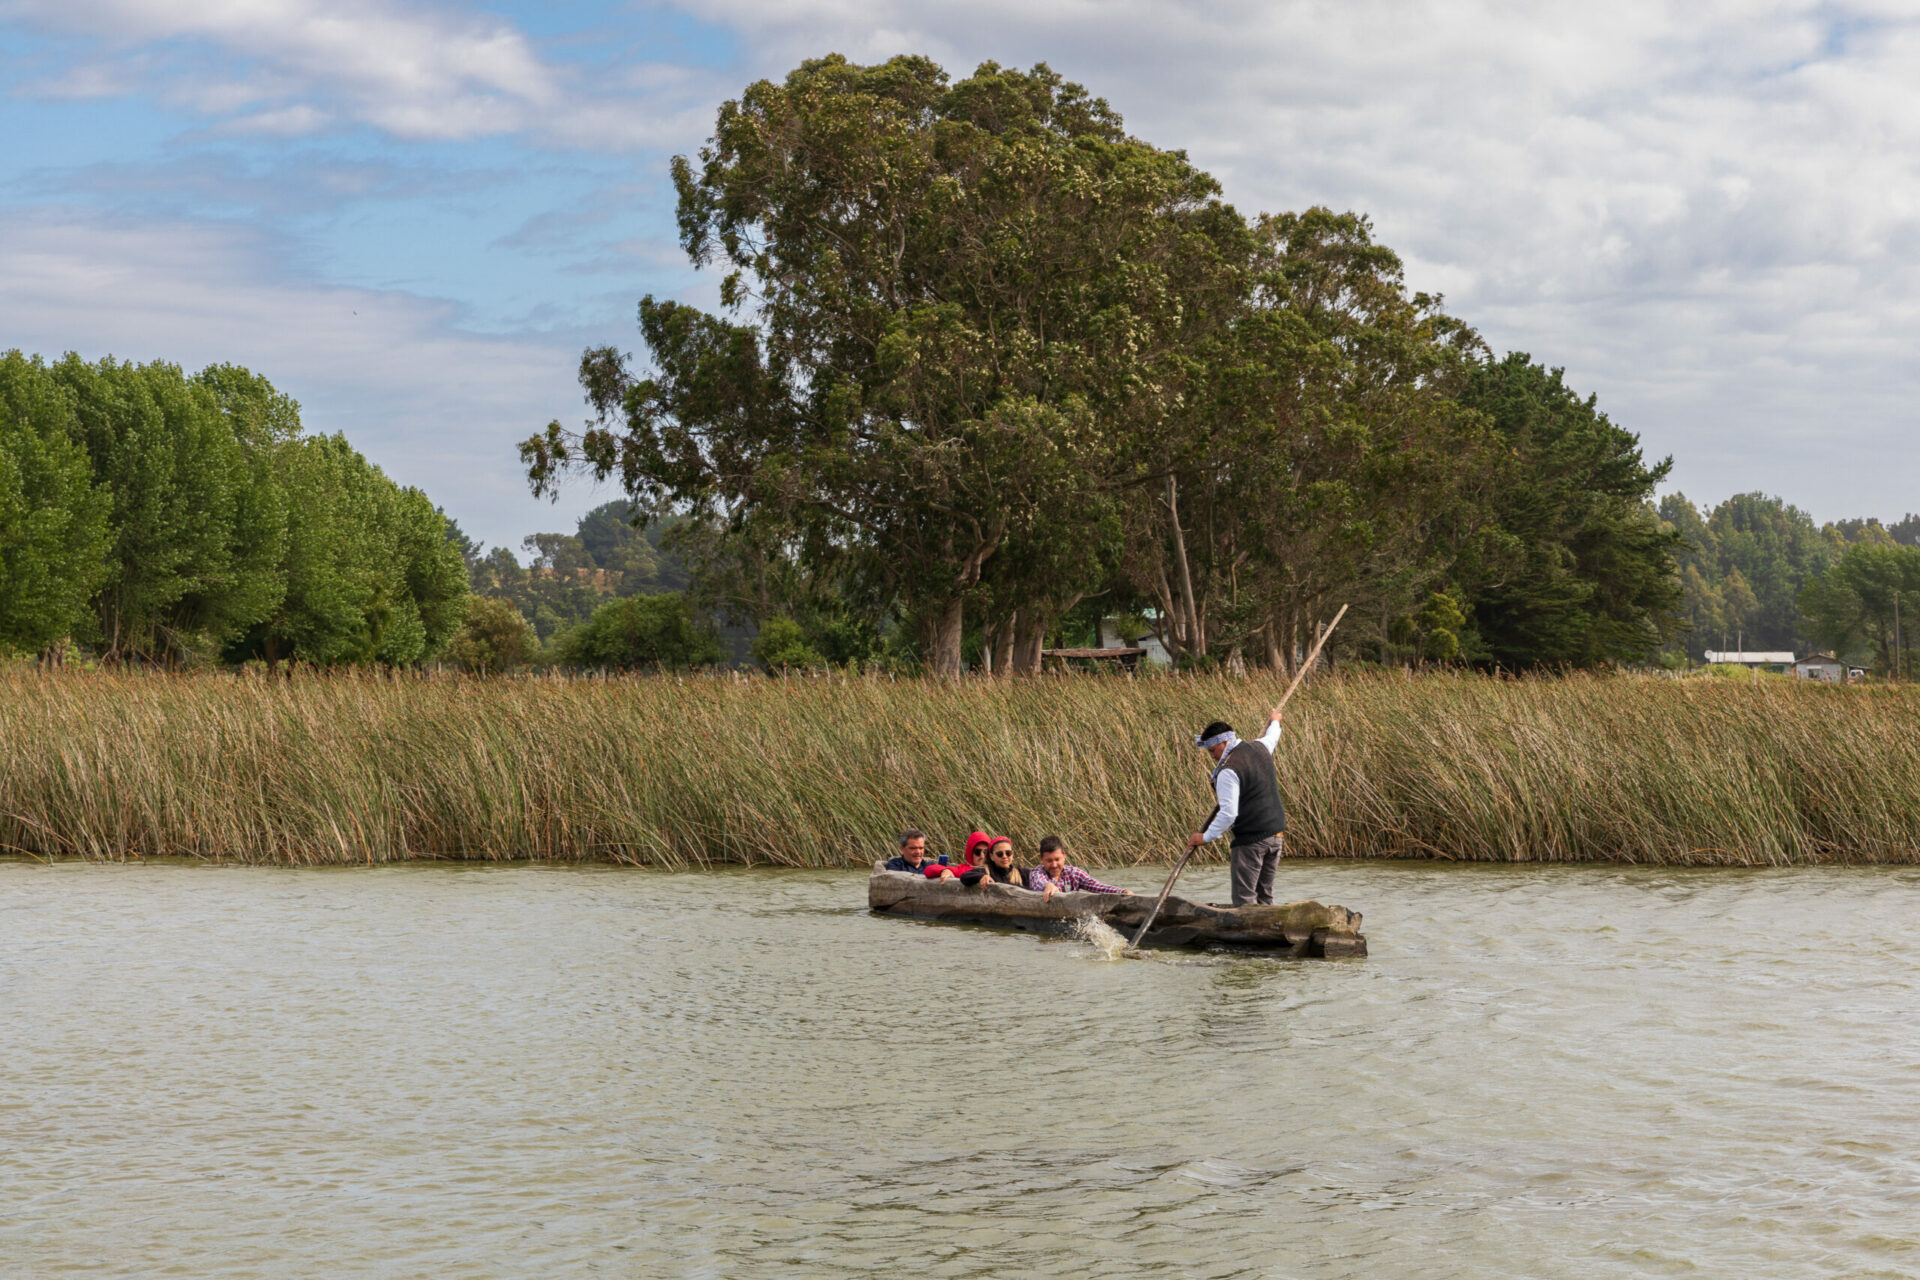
{"points": [[959, 317]]}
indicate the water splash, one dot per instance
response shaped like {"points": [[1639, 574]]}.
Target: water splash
{"points": [[1101, 936]]}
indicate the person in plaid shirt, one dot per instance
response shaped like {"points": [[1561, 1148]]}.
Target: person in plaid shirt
{"points": [[1053, 875]]}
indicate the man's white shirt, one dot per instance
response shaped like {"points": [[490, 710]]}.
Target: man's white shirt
{"points": [[1226, 783]]}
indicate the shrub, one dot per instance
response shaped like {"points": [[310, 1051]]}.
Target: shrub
{"points": [[782, 645], [494, 637], [642, 631]]}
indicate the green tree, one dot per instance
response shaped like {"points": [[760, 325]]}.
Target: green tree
{"points": [[471, 551], [1575, 567], [1854, 604], [1738, 605], [198, 522], [1326, 459], [493, 637], [371, 575], [1776, 548], [1703, 610], [635, 558], [963, 301], [428, 575], [53, 521], [1702, 616], [256, 411], [1441, 620], [782, 645], [641, 631], [568, 576]]}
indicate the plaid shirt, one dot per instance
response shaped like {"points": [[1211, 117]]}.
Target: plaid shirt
{"points": [[1069, 879]]}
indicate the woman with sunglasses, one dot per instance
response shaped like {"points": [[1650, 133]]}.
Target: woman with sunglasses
{"points": [[1000, 865]]}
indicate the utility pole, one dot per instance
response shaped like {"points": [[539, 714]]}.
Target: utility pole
{"points": [[1896, 633]]}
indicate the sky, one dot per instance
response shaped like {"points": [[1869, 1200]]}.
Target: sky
{"points": [[413, 217]]}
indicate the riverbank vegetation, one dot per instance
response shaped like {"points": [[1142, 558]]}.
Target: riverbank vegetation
{"points": [[666, 771]]}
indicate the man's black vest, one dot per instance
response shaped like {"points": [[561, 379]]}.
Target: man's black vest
{"points": [[1261, 813]]}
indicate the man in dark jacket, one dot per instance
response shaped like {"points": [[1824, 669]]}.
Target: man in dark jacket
{"points": [[1246, 793], [913, 853], [913, 860]]}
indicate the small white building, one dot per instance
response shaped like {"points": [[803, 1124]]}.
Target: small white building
{"points": [[1778, 659], [1156, 654], [1823, 667]]}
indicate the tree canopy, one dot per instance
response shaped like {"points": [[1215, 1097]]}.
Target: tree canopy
{"points": [[984, 357], [1573, 566], [161, 517], [53, 518], [1867, 598], [968, 307]]}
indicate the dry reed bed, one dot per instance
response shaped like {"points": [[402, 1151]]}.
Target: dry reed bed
{"points": [[677, 772]]}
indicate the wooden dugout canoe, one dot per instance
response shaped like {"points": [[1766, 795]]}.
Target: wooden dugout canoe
{"points": [[1287, 929]]}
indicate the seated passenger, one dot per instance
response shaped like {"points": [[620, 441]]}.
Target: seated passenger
{"points": [[1000, 864], [977, 845], [914, 860], [970, 872], [1053, 875], [913, 853]]}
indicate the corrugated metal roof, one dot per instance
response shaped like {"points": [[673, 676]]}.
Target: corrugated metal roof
{"points": [[1759, 658]]}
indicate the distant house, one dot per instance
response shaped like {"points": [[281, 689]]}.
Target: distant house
{"points": [[1823, 667], [1779, 660], [1151, 650]]}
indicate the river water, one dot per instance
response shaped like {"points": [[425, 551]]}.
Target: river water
{"points": [[538, 1072]]}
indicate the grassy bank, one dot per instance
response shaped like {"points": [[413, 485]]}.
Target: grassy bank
{"points": [[819, 772]]}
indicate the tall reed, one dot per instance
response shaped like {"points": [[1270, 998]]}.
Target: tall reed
{"points": [[821, 772]]}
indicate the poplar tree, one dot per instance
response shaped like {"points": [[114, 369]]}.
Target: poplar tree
{"points": [[198, 520], [53, 520]]}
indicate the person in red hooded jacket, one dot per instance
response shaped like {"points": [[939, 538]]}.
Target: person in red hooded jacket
{"points": [[972, 869]]}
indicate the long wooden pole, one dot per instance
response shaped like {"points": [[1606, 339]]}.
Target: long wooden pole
{"points": [[1286, 697]]}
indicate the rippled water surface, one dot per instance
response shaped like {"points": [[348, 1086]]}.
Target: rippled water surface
{"points": [[538, 1072]]}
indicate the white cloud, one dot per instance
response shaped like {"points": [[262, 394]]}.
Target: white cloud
{"points": [[412, 72], [432, 405], [296, 121], [1709, 212]]}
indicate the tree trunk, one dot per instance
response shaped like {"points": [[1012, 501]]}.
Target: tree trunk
{"points": [[1002, 647], [1169, 625], [943, 638], [1196, 640], [1029, 638]]}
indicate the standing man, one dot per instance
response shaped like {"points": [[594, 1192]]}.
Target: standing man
{"points": [[1246, 802]]}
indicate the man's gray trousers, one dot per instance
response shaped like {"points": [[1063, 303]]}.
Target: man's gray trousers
{"points": [[1253, 866]]}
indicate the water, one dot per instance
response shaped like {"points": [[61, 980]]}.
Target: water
{"points": [[543, 1072]]}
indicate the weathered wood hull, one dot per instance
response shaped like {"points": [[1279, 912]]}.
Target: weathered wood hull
{"points": [[1291, 928]]}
